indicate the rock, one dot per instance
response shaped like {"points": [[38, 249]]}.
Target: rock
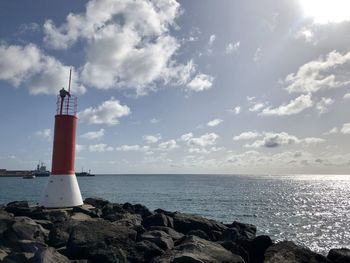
{"points": [[6, 221], [195, 249], [186, 258], [22, 208], [106, 253], [125, 219], [49, 255], [80, 217], [111, 209], [3, 254], [96, 202], [18, 257], [171, 232], [88, 210], [160, 238], [59, 234], [245, 230], [235, 249], [86, 234], [339, 255], [258, 246], [44, 223], [25, 228], [167, 213], [288, 252], [184, 223], [142, 210], [199, 233], [56, 215], [29, 246], [158, 220], [147, 250]]}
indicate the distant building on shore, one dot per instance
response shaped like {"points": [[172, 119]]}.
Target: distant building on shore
{"points": [[15, 173]]}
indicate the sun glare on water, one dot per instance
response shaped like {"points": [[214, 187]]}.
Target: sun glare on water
{"points": [[326, 11]]}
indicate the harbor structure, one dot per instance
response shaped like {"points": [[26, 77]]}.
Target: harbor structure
{"points": [[62, 189]]}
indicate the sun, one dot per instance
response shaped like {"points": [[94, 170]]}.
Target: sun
{"points": [[326, 11]]}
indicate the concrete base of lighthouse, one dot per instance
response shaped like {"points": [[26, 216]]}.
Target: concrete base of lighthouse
{"points": [[61, 191]]}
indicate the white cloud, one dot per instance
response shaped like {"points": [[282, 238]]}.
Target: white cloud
{"points": [[346, 128], [232, 47], [93, 135], [334, 130], [186, 137], [207, 139], [214, 122], [273, 140], [257, 55], [236, 110], [44, 134], [323, 104], [168, 145], [107, 113], [305, 34], [250, 98], [129, 45], [28, 66], [347, 96], [136, 148], [295, 106], [257, 107], [313, 140], [246, 136], [102, 147], [327, 72], [154, 121], [152, 138], [79, 148], [200, 82], [211, 40]]}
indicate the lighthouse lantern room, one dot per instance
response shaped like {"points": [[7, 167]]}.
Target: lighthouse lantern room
{"points": [[62, 189]]}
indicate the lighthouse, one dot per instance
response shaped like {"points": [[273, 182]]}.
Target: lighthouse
{"points": [[62, 189]]}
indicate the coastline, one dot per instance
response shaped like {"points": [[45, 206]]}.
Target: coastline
{"points": [[101, 231]]}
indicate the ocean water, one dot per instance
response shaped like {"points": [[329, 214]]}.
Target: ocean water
{"points": [[312, 210]]}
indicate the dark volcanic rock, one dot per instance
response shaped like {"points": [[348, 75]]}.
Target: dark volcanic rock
{"points": [[199, 233], [195, 249], [49, 255], [92, 212], [158, 220], [258, 246], [59, 234], [245, 230], [339, 255], [106, 253], [147, 251], [96, 202], [160, 238], [288, 252], [184, 223], [171, 232], [236, 249], [25, 228], [86, 234]]}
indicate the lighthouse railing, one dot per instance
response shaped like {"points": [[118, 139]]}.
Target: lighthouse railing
{"points": [[67, 105]]}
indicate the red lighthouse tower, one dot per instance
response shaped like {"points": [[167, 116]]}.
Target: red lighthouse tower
{"points": [[62, 189]]}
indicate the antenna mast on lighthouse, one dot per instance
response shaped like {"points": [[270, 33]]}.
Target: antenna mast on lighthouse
{"points": [[62, 189]]}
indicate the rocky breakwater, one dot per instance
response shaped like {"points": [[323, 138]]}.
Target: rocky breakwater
{"points": [[101, 231]]}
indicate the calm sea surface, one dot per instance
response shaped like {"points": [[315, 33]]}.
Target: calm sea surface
{"points": [[313, 210]]}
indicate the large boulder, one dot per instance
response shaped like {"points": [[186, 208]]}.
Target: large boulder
{"points": [[6, 221], [88, 210], [339, 255], [86, 234], [171, 232], [258, 246], [59, 234], [185, 223], [96, 202], [160, 238], [24, 228], [158, 220], [49, 255], [147, 250], [288, 252], [195, 249], [247, 231]]}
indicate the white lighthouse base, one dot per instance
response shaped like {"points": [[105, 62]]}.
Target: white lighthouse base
{"points": [[61, 191]]}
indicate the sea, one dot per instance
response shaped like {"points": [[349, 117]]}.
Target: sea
{"points": [[311, 210]]}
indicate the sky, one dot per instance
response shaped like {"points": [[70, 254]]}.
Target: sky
{"points": [[165, 86]]}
